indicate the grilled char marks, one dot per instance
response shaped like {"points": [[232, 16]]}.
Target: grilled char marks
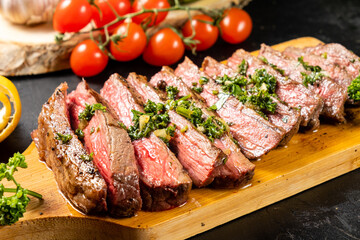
{"points": [[238, 169], [78, 180], [164, 183], [332, 94], [193, 149], [113, 152]]}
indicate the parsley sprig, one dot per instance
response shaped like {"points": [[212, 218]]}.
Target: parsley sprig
{"points": [[354, 89], [13, 207]]}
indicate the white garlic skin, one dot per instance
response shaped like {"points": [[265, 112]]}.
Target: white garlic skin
{"points": [[28, 12]]}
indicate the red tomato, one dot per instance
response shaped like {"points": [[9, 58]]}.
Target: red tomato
{"points": [[107, 15], [87, 59], [164, 48], [205, 33], [132, 45], [236, 25], [138, 5], [71, 15]]}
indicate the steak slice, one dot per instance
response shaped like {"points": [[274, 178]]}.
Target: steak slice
{"points": [[289, 91], [164, 183], [194, 150], [333, 95], [237, 170], [78, 180], [113, 152], [334, 71], [283, 117], [338, 54], [255, 135]]}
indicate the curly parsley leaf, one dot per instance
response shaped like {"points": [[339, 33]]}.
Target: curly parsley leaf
{"points": [[13, 207]]}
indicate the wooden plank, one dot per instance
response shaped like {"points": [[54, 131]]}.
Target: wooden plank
{"points": [[307, 160]]}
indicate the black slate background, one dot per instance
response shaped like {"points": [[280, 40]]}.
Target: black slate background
{"points": [[329, 211]]}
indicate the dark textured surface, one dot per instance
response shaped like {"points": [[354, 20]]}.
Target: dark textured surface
{"points": [[329, 211]]}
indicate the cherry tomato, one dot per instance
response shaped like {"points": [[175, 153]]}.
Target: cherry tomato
{"points": [[236, 25], [132, 45], [205, 33], [107, 15], [87, 59], [138, 5], [71, 15], [164, 48]]}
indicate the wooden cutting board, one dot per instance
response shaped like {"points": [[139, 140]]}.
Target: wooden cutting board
{"points": [[309, 159]]}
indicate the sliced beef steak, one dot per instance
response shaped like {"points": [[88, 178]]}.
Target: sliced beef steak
{"points": [[113, 153], [284, 117], [237, 170], [255, 136], [333, 95], [194, 150], [79, 180], [338, 54], [334, 71], [164, 183], [289, 91]]}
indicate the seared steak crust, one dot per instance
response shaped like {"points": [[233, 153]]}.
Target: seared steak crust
{"points": [[78, 180], [113, 152], [237, 170], [164, 183], [333, 95], [193, 149], [289, 91]]}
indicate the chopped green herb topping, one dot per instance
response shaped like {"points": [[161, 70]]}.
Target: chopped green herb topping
{"points": [[354, 89], [213, 107], [257, 92], [79, 133], [311, 78], [197, 89], [215, 92], [171, 92], [87, 157], [307, 66], [92, 130], [89, 111], [243, 67], [203, 80], [352, 60], [211, 127], [64, 138], [281, 71], [324, 55], [155, 117]]}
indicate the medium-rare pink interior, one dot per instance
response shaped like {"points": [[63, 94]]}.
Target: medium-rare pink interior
{"points": [[238, 169], [165, 184], [112, 152]]}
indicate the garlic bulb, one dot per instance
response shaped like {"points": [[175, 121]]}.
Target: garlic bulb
{"points": [[28, 11]]}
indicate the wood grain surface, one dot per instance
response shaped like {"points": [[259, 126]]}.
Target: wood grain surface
{"points": [[309, 159]]}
